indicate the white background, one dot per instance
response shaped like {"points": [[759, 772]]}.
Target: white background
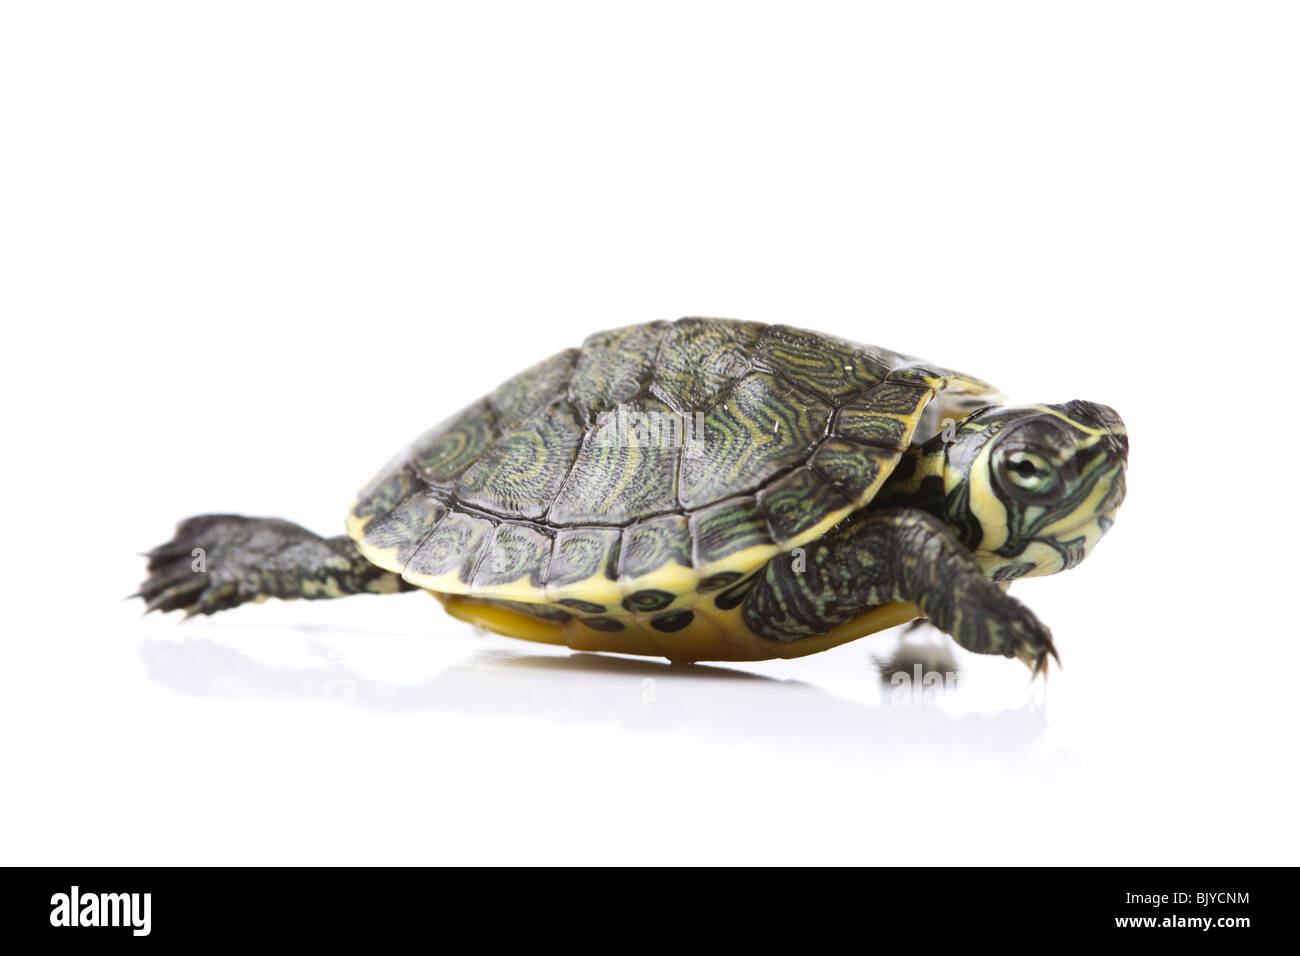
{"points": [[250, 249]]}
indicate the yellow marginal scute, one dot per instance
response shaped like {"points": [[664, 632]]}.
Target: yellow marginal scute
{"points": [[742, 561], [672, 577], [355, 526], [521, 589], [598, 589], [385, 558], [449, 583]]}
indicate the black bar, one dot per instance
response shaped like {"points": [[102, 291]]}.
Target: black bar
{"points": [[918, 903]]}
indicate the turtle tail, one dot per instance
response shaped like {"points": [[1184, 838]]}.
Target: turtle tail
{"points": [[215, 562]]}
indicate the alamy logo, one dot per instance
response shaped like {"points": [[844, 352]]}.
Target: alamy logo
{"points": [[920, 688], [626, 427], [101, 909]]}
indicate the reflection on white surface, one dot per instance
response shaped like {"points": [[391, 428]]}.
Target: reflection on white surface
{"points": [[376, 730], [714, 705]]}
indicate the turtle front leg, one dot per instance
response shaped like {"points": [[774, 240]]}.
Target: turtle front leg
{"points": [[902, 554], [216, 562]]}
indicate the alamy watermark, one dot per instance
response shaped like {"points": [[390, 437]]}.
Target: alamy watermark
{"points": [[102, 909], [920, 687], [626, 427]]}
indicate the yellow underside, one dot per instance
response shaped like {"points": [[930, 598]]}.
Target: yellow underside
{"points": [[713, 635]]}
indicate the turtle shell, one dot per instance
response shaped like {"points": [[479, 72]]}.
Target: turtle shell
{"points": [[655, 464]]}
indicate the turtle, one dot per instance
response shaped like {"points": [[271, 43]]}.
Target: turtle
{"points": [[704, 490]]}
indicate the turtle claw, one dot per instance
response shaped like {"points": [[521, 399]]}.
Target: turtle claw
{"points": [[1041, 662], [163, 592], [177, 583], [1031, 641]]}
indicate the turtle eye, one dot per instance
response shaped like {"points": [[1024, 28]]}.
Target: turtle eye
{"points": [[1028, 473]]}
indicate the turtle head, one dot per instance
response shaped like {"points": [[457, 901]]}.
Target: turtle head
{"points": [[1030, 489]]}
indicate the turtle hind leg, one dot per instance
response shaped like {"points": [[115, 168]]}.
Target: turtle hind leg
{"points": [[215, 562]]}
